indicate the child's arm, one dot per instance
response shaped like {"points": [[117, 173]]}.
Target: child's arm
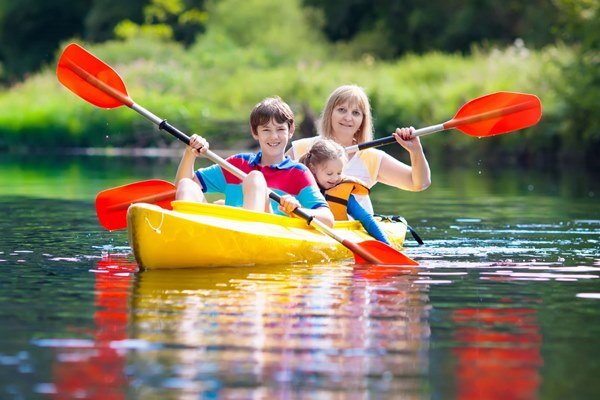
{"points": [[289, 203], [198, 145], [323, 214], [356, 211]]}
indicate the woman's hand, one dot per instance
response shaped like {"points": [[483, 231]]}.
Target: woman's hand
{"points": [[198, 145], [288, 204], [404, 136]]}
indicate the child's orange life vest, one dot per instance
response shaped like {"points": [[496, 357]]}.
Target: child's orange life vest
{"points": [[337, 197]]}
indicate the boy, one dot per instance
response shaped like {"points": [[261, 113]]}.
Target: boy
{"points": [[272, 125]]}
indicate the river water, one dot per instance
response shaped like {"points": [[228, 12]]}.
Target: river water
{"points": [[504, 305]]}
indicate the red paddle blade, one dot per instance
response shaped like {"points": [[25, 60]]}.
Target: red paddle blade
{"points": [[90, 78], [112, 204], [380, 253], [497, 113]]}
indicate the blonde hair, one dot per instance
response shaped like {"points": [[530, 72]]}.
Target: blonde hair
{"points": [[321, 151], [353, 95]]}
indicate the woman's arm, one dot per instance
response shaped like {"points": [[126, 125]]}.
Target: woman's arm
{"points": [[415, 177]]}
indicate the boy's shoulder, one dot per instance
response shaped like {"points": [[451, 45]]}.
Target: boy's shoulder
{"points": [[295, 163], [243, 156]]}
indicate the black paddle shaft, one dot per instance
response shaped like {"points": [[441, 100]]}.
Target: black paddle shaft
{"points": [[377, 142]]}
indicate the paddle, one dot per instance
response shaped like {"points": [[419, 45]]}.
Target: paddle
{"points": [[112, 204], [489, 115], [96, 82]]}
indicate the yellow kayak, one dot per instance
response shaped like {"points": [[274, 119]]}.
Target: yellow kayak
{"points": [[203, 235]]}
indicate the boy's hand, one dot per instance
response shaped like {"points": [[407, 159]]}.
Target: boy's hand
{"points": [[198, 144], [288, 204]]}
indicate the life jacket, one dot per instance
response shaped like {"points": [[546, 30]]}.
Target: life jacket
{"points": [[337, 197]]}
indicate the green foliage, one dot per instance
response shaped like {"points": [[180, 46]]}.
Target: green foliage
{"points": [[30, 31], [280, 31], [400, 26], [166, 19], [104, 15], [257, 48], [211, 90], [581, 87]]}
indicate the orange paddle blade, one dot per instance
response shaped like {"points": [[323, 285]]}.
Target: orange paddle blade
{"points": [[380, 253], [91, 79], [497, 113], [112, 204]]}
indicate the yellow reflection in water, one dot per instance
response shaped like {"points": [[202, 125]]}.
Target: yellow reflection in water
{"points": [[334, 326]]}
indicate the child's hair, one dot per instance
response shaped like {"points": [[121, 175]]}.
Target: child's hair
{"points": [[321, 151], [271, 108], [355, 96]]}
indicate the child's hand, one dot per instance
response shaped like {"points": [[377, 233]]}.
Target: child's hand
{"points": [[404, 136], [288, 204], [198, 144]]}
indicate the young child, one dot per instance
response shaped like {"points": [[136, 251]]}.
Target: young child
{"points": [[326, 160], [347, 120], [272, 125]]}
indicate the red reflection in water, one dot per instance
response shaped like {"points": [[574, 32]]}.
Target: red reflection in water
{"points": [[98, 372], [379, 273], [500, 355]]}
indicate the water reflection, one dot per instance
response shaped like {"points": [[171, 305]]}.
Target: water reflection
{"points": [[507, 275], [95, 368], [498, 353], [271, 331]]}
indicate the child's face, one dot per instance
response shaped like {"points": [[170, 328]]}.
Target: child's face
{"points": [[346, 120], [273, 137], [329, 173]]}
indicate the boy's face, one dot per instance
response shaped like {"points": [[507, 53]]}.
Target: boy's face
{"points": [[273, 138]]}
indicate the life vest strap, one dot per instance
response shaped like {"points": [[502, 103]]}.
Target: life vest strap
{"points": [[338, 200]]}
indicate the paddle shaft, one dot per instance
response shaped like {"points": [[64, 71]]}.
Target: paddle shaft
{"points": [[453, 123]]}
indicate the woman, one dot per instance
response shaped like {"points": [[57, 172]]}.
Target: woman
{"points": [[347, 120]]}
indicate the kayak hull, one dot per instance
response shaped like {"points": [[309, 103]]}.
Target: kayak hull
{"points": [[204, 235]]}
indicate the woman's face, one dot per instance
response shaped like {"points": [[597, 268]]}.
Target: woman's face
{"points": [[329, 173], [346, 121]]}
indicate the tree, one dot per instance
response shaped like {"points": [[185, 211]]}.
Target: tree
{"points": [[179, 20], [30, 31], [395, 27], [104, 15], [582, 93]]}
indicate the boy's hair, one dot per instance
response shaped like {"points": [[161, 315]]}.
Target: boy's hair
{"points": [[321, 151], [271, 108], [354, 95]]}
